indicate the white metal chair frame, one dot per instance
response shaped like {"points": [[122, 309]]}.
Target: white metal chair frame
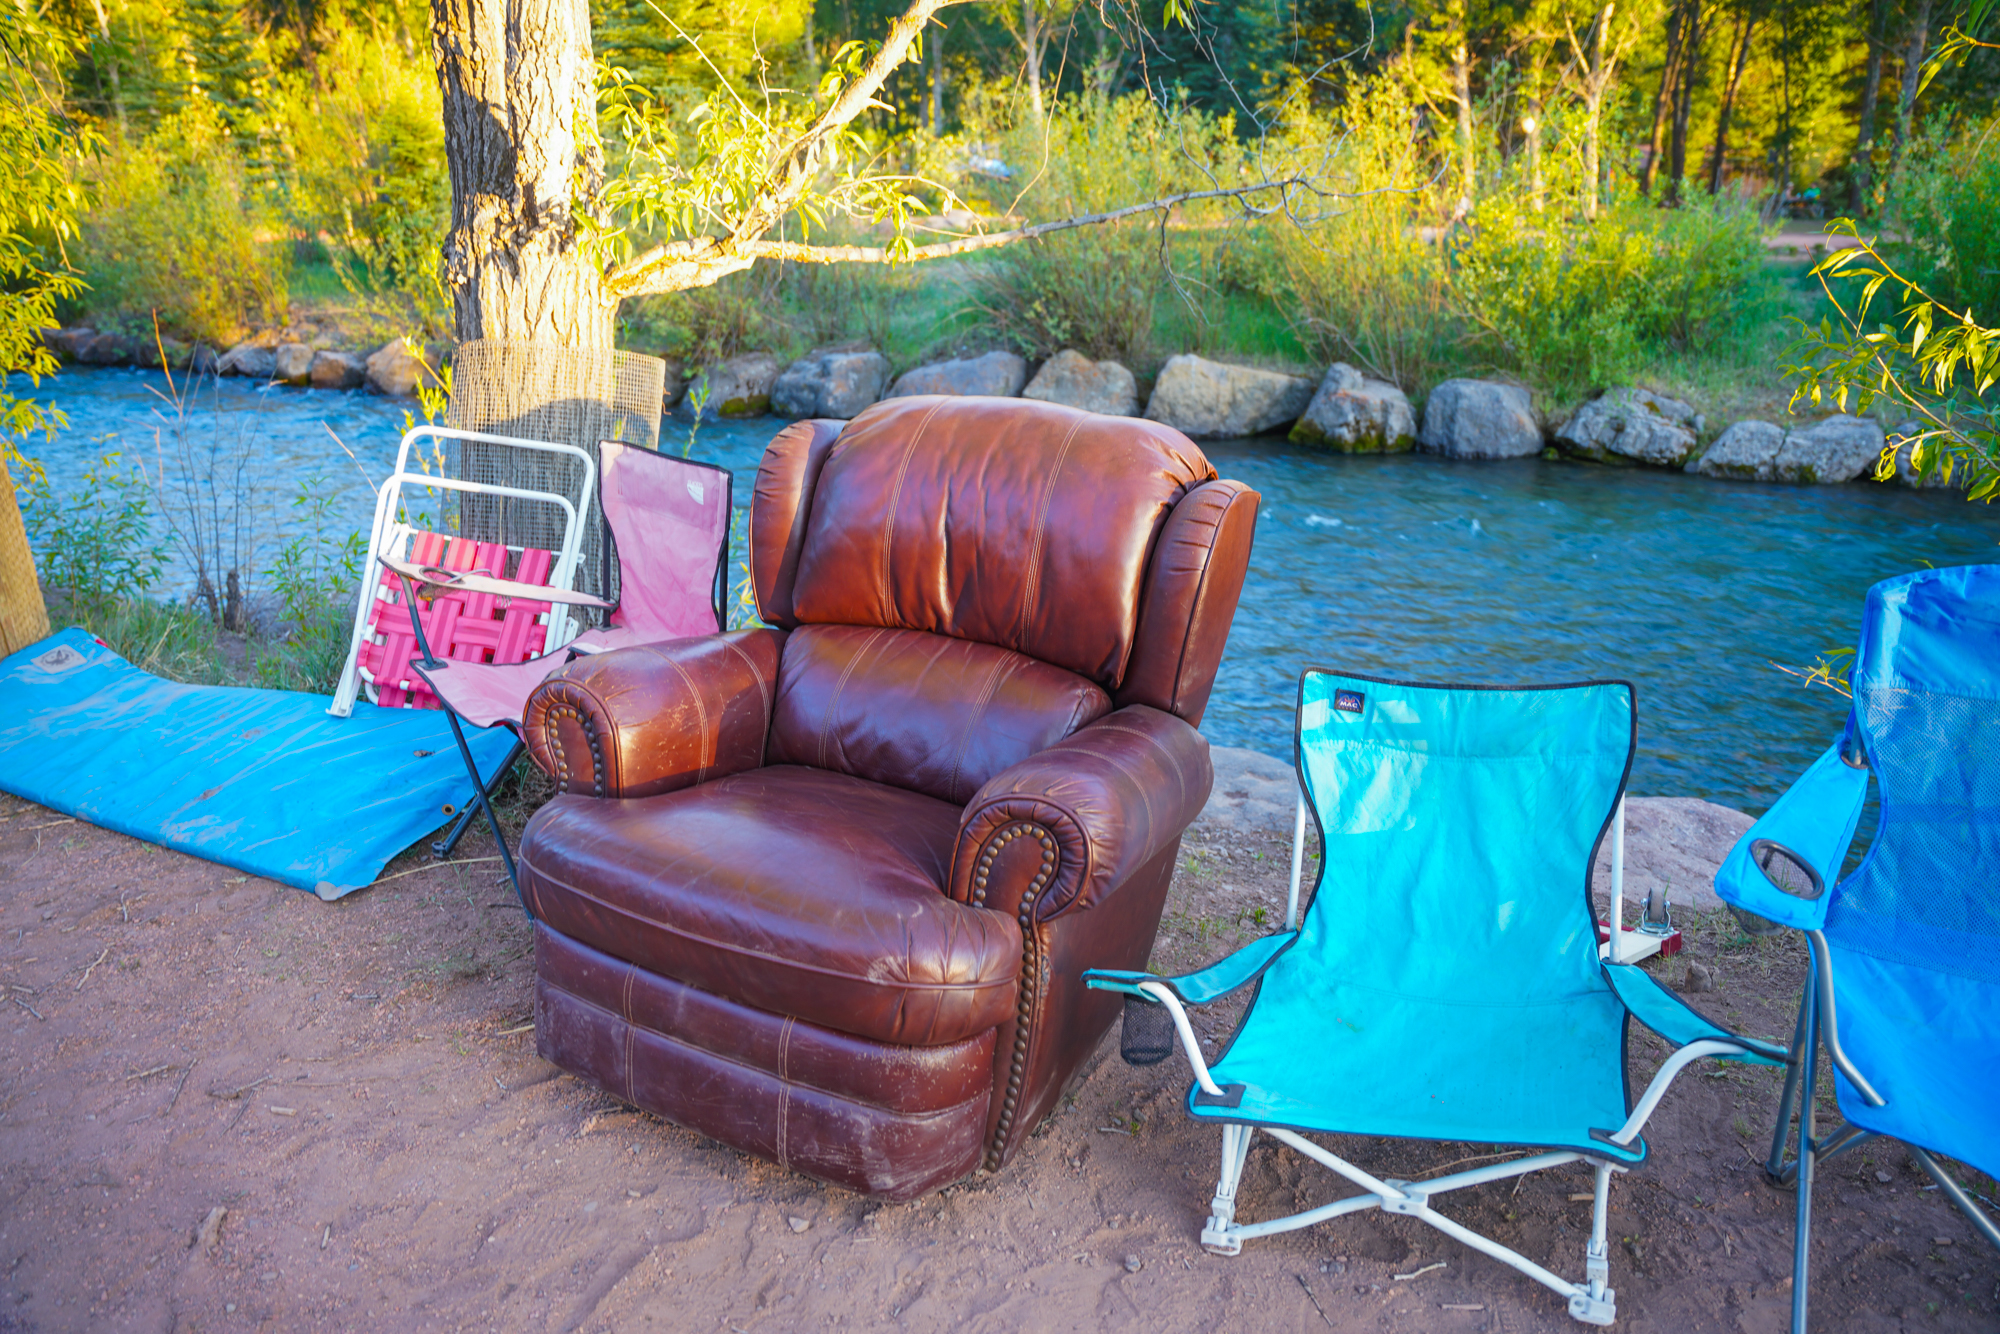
{"points": [[387, 535], [1592, 1301]]}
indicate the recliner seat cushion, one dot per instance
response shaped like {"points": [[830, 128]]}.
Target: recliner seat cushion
{"points": [[798, 891], [926, 712]]}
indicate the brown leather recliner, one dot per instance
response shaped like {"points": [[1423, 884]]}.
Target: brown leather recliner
{"points": [[824, 891]]}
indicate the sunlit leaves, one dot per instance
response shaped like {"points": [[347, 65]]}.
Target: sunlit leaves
{"points": [[1940, 367]]}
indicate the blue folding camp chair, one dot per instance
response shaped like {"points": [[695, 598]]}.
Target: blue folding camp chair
{"points": [[1905, 982], [1446, 982]]}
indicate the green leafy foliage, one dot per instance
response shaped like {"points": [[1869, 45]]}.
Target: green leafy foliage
{"points": [[39, 203], [95, 546], [314, 577], [182, 233], [1935, 363]]}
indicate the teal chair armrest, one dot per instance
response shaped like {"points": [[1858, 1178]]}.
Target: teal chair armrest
{"points": [[1677, 1021], [1784, 868], [1198, 988]]}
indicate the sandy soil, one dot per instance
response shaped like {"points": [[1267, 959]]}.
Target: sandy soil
{"points": [[225, 1105]]}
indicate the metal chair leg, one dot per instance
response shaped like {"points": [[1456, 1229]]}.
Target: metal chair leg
{"points": [[492, 820], [1956, 1194], [442, 848], [1808, 1153], [1775, 1170]]}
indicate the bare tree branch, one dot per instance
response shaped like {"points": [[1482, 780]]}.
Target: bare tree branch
{"points": [[668, 267]]}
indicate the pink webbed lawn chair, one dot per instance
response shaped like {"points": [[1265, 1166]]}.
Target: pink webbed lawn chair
{"points": [[667, 522]]}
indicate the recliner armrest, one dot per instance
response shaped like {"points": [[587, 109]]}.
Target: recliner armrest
{"points": [[636, 722], [1062, 829]]}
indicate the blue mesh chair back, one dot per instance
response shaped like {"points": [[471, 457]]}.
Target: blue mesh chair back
{"points": [[1915, 930]]}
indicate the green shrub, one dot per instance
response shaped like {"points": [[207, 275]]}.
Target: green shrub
{"points": [[96, 549], [1945, 205], [1573, 306], [315, 578], [180, 231], [1095, 289]]}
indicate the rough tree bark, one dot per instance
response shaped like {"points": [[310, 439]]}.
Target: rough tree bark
{"points": [[520, 136], [1031, 44]]}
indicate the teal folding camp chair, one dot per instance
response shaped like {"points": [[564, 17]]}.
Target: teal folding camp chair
{"points": [[1446, 982], [1905, 988]]}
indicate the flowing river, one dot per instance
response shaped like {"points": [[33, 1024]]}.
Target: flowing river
{"points": [[1407, 566]]}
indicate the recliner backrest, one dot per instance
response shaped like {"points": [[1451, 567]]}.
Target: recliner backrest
{"points": [[1009, 522], [969, 580]]}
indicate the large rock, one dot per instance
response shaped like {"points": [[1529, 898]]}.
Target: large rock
{"points": [[831, 382], [1479, 419], [1744, 452], [1959, 479], [738, 387], [1675, 844], [1356, 415], [1838, 449], [294, 363], [990, 375], [106, 349], [394, 370], [1632, 426], [337, 370], [1075, 381], [64, 342], [258, 363], [1205, 398], [1252, 791]]}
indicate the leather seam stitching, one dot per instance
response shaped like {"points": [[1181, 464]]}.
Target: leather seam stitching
{"points": [[994, 675], [895, 501], [1195, 604], [763, 691], [943, 988], [727, 1059], [703, 757], [1033, 573], [832, 704]]}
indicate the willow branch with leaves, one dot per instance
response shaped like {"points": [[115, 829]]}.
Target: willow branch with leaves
{"points": [[1940, 366]]}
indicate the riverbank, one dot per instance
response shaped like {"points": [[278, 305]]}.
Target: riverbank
{"points": [[229, 1106]]}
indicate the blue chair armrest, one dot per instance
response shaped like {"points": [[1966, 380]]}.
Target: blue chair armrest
{"points": [[1813, 822], [1677, 1021], [1198, 988]]}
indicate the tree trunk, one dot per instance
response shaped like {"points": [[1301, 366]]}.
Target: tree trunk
{"points": [[24, 617], [1461, 93], [1691, 44], [934, 51], [1663, 98], [1739, 56], [520, 133], [1862, 179], [1913, 73], [1031, 43]]}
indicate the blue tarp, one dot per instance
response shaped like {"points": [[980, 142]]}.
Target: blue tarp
{"points": [[261, 780]]}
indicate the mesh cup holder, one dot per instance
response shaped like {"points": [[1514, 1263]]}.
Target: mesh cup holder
{"points": [[1787, 872], [1147, 1036]]}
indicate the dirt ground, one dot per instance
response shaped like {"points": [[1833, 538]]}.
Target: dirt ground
{"points": [[225, 1105]]}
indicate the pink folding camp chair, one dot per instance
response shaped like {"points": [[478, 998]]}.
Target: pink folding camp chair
{"points": [[667, 523]]}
